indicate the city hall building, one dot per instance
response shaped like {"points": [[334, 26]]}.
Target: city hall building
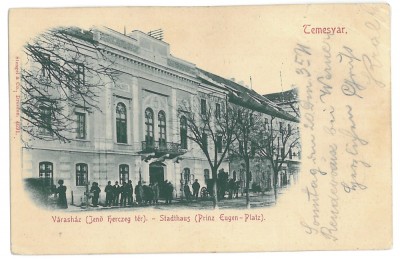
{"points": [[137, 133]]}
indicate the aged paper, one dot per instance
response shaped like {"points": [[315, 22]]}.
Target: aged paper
{"points": [[98, 95]]}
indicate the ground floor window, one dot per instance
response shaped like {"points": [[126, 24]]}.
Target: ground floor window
{"points": [[123, 173], [46, 173], [81, 174]]}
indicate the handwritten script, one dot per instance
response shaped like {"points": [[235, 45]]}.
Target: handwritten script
{"points": [[335, 79]]}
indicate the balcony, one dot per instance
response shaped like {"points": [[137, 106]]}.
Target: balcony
{"points": [[161, 148]]}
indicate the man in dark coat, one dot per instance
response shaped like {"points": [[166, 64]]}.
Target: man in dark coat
{"points": [[196, 188], [117, 191], [95, 190], [109, 190], [129, 187], [124, 194], [62, 197], [186, 190], [169, 190], [139, 192]]}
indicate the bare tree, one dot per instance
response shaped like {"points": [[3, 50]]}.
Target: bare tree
{"points": [[65, 68], [276, 143], [211, 122], [249, 123]]}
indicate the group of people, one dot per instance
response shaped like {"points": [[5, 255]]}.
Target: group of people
{"points": [[188, 193], [151, 194], [122, 195], [224, 184], [117, 194]]}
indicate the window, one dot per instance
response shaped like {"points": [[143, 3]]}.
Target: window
{"points": [[289, 128], [123, 173], [203, 106], [45, 120], [204, 140], [46, 173], [183, 132], [281, 127], [240, 147], [253, 148], [81, 125], [162, 129], [219, 143], [81, 174], [186, 175], [121, 123], [80, 71], [206, 174], [266, 124], [46, 65], [218, 110], [149, 116]]}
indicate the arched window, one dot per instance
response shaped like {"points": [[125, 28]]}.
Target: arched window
{"points": [[149, 116], [162, 128], [46, 173], [183, 132], [186, 175], [123, 173], [121, 123], [81, 174]]}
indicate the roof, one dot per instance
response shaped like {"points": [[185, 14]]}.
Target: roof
{"points": [[245, 97], [281, 97]]}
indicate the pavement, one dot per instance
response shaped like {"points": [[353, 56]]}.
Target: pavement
{"points": [[256, 200]]}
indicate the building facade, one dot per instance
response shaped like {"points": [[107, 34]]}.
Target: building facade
{"points": [[137, 132]]}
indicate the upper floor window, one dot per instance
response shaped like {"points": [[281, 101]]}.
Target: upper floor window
{"points": [[149, 121], [81, 125], [80, 71], [162, 128], [81, 174], [121, 123], [218, 110], [219, 143], [46, 64], [123, 173], [46, 173], [45, 120], [183, 132], [204, 141], [266, 123], [203, 106]]}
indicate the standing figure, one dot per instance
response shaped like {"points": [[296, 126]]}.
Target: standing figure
{"points": [[129, 187], [186, 190], [139, 192], [62, 197], [169, 190], [231, 187], [109, 190], [95, 190], [196, 188], [117, 190], [156, 192], [124, 194]]}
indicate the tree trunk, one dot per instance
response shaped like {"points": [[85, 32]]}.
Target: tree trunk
{"points": [[275, 186], [215, 189], [247, 161]]}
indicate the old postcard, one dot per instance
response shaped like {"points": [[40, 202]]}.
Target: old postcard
{"points": [[200, 129]]}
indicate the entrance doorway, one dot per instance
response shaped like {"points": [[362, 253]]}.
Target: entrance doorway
{"points": [[157, 173], [157, 176]]}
